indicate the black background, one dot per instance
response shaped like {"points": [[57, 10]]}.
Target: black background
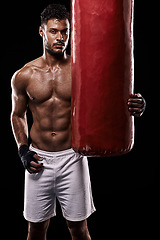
{"points": [[123, 187]]}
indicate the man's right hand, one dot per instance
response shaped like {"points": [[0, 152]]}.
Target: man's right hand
{"points": [[35, 167], [30, 159]]}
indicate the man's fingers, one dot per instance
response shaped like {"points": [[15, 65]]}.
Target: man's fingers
{"points": [[135, 110], [37, 157], [36, 165], [135, 100], [134, 104], [34, 170], [136, 114], [136, 95]]}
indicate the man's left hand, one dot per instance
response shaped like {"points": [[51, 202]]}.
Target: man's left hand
{"points": [[136, 104]]}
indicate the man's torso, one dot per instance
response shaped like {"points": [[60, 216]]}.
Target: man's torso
{"points": [[49, 99]]}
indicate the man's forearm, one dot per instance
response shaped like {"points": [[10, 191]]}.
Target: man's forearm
{"points": [[20, 129]]}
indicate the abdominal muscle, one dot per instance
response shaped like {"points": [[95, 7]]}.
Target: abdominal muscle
{"points": [[51, 134]]}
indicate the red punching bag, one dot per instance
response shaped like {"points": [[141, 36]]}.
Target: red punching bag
{"points": [[102, 76]]}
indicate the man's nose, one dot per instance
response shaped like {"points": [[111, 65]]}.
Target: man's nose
{"points": [[59, 36]]}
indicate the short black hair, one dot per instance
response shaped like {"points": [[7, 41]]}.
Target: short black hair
{"points": [[57, 11]]}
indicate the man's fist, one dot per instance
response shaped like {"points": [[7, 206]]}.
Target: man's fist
{"points": [[30, 159], [136, 104]]}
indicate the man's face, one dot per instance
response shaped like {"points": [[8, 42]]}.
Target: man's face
{"points": [[55, 35]]}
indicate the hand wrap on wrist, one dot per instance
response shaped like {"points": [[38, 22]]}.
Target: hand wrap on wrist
{"points": [[26, 156]]}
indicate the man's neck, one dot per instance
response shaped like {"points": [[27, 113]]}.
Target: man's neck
{"points": [[52, 60]]}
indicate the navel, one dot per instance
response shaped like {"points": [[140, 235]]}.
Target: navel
{"points": [[53, 133]]}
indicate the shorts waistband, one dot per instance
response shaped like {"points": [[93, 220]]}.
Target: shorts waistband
{"points": [[53, 154]]}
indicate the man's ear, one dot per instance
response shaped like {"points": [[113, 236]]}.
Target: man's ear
{"points": [[41, 31]]}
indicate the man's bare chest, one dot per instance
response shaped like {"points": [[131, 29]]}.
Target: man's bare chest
{"points": [[43, 86]]}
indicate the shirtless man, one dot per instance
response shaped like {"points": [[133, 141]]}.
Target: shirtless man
{"points": [[53, 169]]}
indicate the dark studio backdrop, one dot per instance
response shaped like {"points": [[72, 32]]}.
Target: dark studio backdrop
{"points": [[123, 187]]}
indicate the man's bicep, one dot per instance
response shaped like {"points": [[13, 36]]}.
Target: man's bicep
{"points": [[19, 97], [19, 104]]}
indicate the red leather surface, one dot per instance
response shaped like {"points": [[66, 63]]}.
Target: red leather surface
{"points": [[102, 76]]}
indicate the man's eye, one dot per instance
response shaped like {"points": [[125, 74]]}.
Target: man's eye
{"points": [[53, 31]]}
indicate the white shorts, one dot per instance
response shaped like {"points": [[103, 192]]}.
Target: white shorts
{"points": [[66, 177]]}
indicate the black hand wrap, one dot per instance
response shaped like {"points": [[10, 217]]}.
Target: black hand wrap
{"points": [[26, 156]]}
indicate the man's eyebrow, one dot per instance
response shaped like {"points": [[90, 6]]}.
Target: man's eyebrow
{"points": [[55, 29]]}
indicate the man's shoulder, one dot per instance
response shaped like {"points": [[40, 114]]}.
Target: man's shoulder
{"points": [[21, 76], [28, 68]]}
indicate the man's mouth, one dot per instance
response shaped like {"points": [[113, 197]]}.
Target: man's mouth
{"points": [[57, 45]]}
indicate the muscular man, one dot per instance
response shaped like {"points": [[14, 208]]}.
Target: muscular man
{"points": [[53, 169]]}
